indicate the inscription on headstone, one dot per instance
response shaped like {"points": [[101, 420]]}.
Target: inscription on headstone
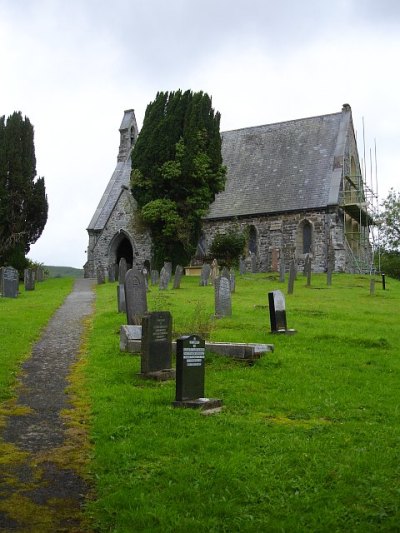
{"points": [[29, 279], [9, 282], [178, 276], [157, 344], [135, 296], [223, 304]]}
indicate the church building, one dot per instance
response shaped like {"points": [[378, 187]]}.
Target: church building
{"points": [[294, 188]]}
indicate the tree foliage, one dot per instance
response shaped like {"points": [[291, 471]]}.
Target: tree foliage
{"points": [[177, 170], [228, 247], [390, 221], [23, 201]]}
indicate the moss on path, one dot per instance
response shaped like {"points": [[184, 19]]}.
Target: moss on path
{"points": [[43, 444]]}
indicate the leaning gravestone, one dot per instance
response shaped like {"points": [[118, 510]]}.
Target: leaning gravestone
{"points": [[190, 375], [277, 313], [135, 296], [156, 346], [222, 290], [29, 279], [205, 274], [178, 277], [10, 282]]}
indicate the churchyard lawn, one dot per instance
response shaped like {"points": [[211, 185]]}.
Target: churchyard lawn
{"points": [[308, 438]]}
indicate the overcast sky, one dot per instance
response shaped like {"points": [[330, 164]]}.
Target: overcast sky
{"points": [[74, 66]]}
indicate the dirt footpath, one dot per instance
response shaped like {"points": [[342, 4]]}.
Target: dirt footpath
{"points": [[42, 488]]}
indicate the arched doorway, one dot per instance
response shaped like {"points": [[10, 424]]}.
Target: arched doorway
{"points": [[124, 249]]}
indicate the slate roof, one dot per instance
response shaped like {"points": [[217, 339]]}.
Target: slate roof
{"points": [[287, 166]]}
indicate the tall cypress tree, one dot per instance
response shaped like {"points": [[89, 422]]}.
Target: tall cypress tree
{"points": [[177, 170], [23, 200]]}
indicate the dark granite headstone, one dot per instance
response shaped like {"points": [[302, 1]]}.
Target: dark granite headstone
{"points": [[178, 277], [223, 305], [156, 351], [29, 279], [190, 368], [10, 282], [277, 312], [292, 276], [135, 296], [205, 274]]}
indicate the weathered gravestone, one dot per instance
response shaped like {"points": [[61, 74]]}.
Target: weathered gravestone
{"points": [[307, 269], [111, 273], [242, 266], [100, 275], [122, 270], [154, 276], [10, 281], [214, 271], [277, 313], [222, 290], [190, 375], [156, 346], [178, 277], [205, 274], [292, 276], [39, 274], [164, 279], [135, 296], [29, 279]]}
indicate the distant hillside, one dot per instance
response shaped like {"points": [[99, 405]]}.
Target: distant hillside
{"points": [[64, 272]]}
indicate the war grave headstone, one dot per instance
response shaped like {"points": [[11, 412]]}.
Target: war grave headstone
{"points": [[10, 282], [292, 276], [190, 375], [154, 276], [232, 280], [178, 277], [277, 313], [282, 268], [156, 346], [135, 296], [205, 275], [122, 270], [223, 303], [214, 271], [29, 279]]}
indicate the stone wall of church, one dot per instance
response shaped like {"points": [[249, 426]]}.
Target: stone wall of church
{"points": [[279, 233], [102, 246]]}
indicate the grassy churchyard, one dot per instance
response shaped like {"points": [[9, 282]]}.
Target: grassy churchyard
{"points": [[308, 438]]}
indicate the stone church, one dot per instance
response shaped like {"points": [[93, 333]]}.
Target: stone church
{"points": [[295, 188]]}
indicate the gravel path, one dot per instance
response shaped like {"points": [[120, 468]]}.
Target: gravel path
{"points": [[39, 490]]}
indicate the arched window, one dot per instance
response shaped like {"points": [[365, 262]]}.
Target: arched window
{"points": [[253, 240]]}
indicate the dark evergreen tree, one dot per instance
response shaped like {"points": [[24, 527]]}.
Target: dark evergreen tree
{"points": [[177, 171], [23, 201]]}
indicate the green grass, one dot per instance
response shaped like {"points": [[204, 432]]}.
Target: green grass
{"points": [[309, 437], [21, 322]]}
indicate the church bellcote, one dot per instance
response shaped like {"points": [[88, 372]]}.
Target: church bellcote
{"points": [[128, 135]]}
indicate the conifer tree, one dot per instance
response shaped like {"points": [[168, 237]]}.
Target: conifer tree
{"points": [[177, 171], [23, 201]]}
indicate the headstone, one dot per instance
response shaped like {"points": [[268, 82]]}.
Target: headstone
{"points": [[307, 269], [205, 274], [254, 263], [135, 296], [292, 276], [29, 279], [178, 277], [154, 276], [156, 347], [164, 279], [100, 275], [223, 305], [214, 271], [242, 266], [121, 298], [372, 286], [145, 273], [168, 268], [39, 274], [10, 282], [190, 375], [383, 281], [282, 268], [122, 270], [225, 272], [111, 273], [274, 259], [232, 280], [277, 313]]}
